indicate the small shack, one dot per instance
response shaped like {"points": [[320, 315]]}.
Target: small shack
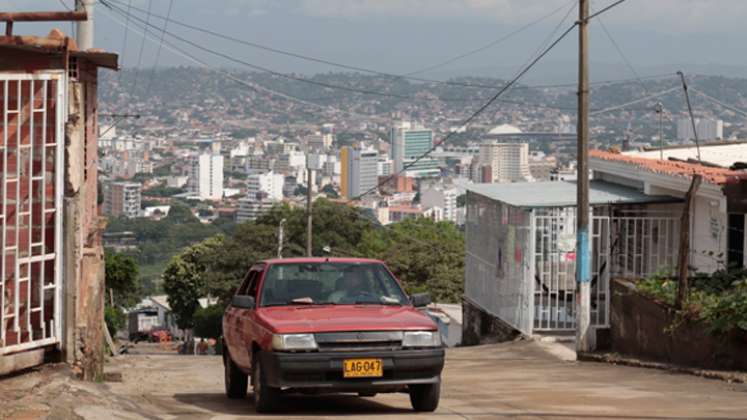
{"points": [[521, 243]]}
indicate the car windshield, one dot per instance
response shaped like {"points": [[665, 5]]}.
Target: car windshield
{"points": [[330, 284]]}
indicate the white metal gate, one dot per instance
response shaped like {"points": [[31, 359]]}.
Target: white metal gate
{"points": [[626, 247], [32, 108], [555, 270]]}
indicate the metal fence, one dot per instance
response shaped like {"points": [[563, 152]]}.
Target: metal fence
{"points": [[31, 153], [498, 258], [521, 264]]}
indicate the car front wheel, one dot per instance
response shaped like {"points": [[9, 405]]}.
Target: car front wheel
{"points": [[235, 380], [265, 397], [425, 397]]}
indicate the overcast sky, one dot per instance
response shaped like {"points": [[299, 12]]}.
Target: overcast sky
{"points": [[404, 35]]}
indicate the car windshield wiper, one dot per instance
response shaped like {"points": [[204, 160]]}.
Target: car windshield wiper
{"points": [[376, 302]]}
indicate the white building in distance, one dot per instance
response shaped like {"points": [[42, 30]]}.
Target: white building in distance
{"points": [[443, 197], [206, 176], [122, 199], [708, 129], [503, 162], [269, 184]]}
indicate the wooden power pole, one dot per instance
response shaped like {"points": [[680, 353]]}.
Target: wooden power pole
{"points": [[683, 259], [309, 226], [583, 248]]}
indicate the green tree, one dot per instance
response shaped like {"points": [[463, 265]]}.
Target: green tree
{"points": [[426, 256], [122, 279], [208, 321], [330, 191], [184, 279]]}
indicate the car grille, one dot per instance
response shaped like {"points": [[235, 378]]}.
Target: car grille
{"points": [[359, 341]]}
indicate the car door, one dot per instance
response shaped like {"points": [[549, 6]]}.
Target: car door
{"points": [[248, 318], [241, 321], [232, 323]]}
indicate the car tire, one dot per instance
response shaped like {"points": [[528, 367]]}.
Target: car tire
{"points": [[265, 397], [235, 380], [424, 398]]}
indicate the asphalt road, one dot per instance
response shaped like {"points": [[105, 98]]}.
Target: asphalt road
{"points": [[514, 380], [496, 381]]}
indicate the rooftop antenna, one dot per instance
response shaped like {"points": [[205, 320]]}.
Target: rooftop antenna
{"points": [[690, 110]]}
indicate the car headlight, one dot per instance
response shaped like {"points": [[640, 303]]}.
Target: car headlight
{"points": [[290, 342], [421, 339]]}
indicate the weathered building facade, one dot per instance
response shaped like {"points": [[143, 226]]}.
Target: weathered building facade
{"points": [[51, 267]]}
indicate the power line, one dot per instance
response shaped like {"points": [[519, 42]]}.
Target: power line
{"points": [[124, 42], [160, 45], [362, 69], [253, 86], [473, 116], [323, 61], [142, 47], [718, 102], [484, 107], [287, 76], [622, 55], [486, 46]]}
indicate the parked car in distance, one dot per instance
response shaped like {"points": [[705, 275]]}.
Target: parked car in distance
{"points": [[329, 325]]}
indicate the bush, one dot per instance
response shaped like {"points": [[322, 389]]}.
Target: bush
{"points": [[115, 319], [719, 299], [208, 321]]}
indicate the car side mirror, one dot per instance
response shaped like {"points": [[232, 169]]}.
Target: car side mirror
{"points": [[420, 300], [243, 302]]}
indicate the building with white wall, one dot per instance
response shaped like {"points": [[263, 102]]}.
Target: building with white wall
{"points": [[409, 142], [270, 184], [503, 162], [708, 129], [122, 199], [442, 197], [359, 171], [206, 176]]}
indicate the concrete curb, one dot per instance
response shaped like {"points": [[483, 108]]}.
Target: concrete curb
{"points": [[617, 359]]}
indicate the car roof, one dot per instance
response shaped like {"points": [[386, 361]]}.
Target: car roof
{"points": [[311, 260]]}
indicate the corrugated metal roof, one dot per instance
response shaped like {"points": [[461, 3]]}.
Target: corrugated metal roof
{"points": [[563, 194]]}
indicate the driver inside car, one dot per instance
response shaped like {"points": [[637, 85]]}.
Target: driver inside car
{"points": [[350, 287]]}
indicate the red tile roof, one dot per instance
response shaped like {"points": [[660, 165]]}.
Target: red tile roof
{"points": [[684, 169], [55, 43]]}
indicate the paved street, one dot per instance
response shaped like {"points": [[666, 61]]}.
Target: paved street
{"points": [[497, 381]]}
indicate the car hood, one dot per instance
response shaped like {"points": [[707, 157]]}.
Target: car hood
{"points": [[337, 318]]}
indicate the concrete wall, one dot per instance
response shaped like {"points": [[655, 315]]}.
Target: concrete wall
{"points": [[479, 327], [639, 327]]}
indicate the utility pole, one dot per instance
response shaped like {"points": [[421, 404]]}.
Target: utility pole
{"points": [[659, 108], [281, 231], [583, 249], [309, 228], [84, 36], [690, 111]]}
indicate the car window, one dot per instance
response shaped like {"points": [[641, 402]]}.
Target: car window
{"points": [[330, 283], [249, 284]]}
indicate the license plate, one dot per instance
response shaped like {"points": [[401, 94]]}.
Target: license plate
{"points": [[362, 368]]}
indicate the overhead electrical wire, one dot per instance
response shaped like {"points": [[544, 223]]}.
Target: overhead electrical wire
{"points": [[160, 46], [622, 54], [124, 41], [718, 102], [482, 108], [253, 86], [288, 76], [142, 47], [362, 69], [471, 117]]}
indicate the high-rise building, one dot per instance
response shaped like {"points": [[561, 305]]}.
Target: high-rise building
{"points": [[408, 143], [122, 199], [206, 176], [359, 171], [503, 162], [708, 129], [439, 196], [319, 141], [252, 208], [269, 184]]}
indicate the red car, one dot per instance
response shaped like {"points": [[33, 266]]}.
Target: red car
{"points": [[329, 325]]}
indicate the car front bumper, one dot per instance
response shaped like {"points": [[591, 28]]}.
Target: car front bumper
{"points": [[323, 370]]}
